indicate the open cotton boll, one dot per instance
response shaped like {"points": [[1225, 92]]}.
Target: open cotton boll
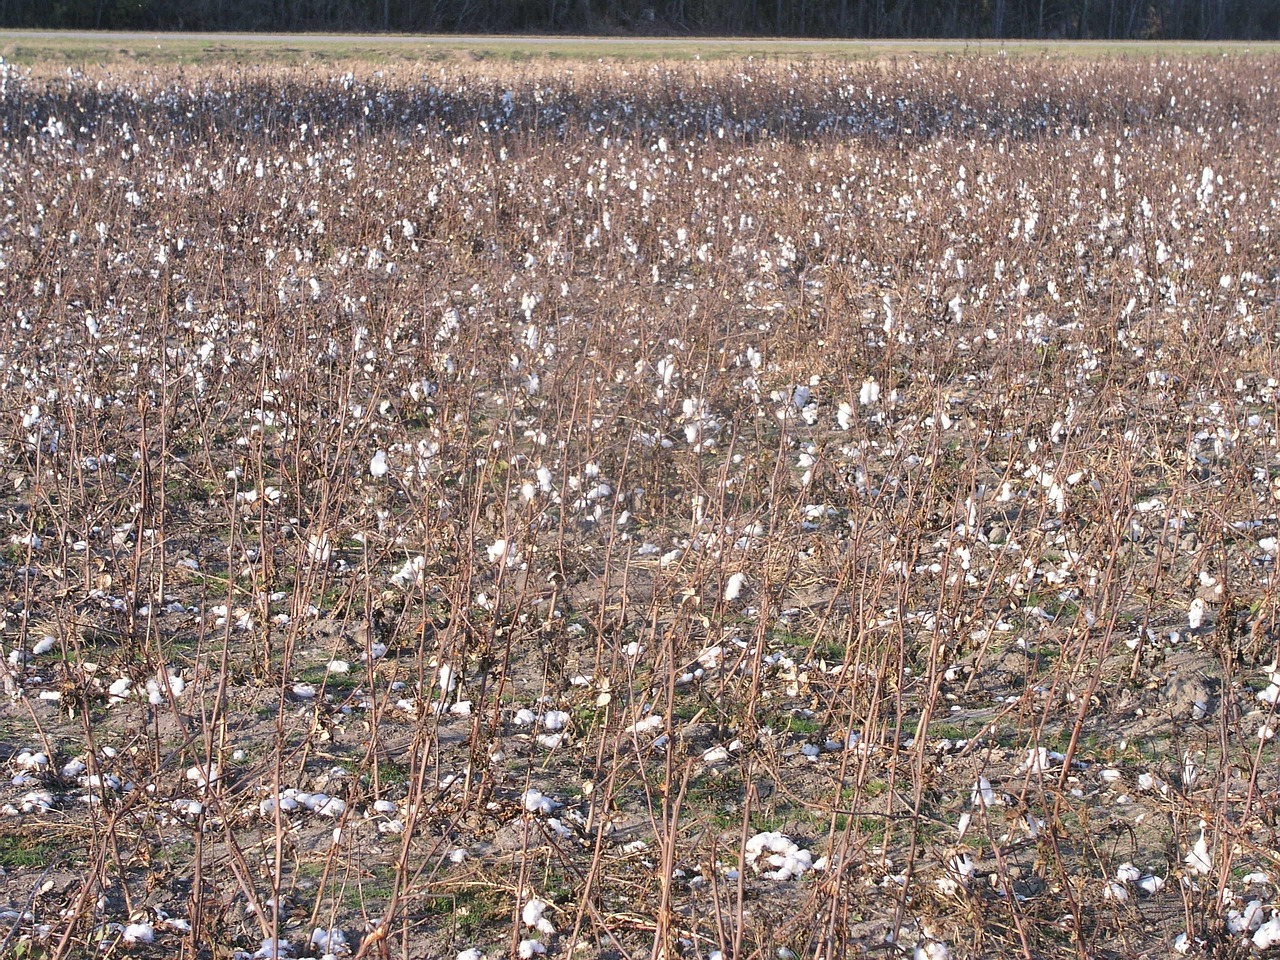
{"points": [[529, 949], [27, 760], [554, 720], [118, 690], [647, 724], [73, 769], [332, 942], [1196, 613], [44, 645], [1198, 859], [448, 678], [983, 795], [1128, 873], [733, 588], [779, 851], [533, 916], [138, 933], [1115, 890], [1151, 884], [378, 466], [500, 551], [272, 949], [471, 953], [326, 806], [845, 415], [535, 801], [1268, 935], [203, 776], [1253, 915], [932, 950]]}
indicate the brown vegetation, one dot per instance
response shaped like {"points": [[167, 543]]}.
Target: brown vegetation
{"points": [[502, 508]]}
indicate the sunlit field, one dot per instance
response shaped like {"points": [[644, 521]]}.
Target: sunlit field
{"points": [[719, 510]]}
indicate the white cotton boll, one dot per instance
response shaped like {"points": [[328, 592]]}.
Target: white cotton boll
{"points": [[1128, 873], [869, 395], [932, 950], [32, 761], [1268, 935], [73, 769], [1116, 891], [1196, 613], [118, 690], [273, 950], [503, 552], [37, 801], [329, 941], [1038, 760], [1269, 545], [1198, 859], [554, 720], [964, 865], [447, 678], [378, 466], [203, 776], [1190, 771], [845, 415], [529, 949], [535, 801], [44, 645], [471, 953], [779, 851], [544, 479], [715, 755], [138, 933], [962, 824], [532, 912], [524, 717], [646, 725], [983, 795], [1253, 915], [1151, 884], [332, 807], [733, 589]]}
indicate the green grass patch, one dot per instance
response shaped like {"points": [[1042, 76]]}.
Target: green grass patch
{"points": [[17, 851]]}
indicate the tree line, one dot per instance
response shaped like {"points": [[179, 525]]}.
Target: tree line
{"points": [[1040, 19]]}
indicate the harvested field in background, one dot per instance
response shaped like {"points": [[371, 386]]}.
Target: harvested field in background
{"points": [[707, 510]]}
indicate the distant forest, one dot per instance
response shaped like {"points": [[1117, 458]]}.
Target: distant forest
{"points": [[1046, 19]]}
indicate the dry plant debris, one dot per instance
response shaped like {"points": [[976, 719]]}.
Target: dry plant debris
{"points": [[748, 510]]}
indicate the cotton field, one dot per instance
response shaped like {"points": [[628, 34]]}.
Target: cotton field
{"points": [[739, 509]]}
